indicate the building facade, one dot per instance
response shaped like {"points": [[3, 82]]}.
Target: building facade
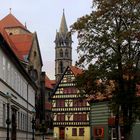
{"points": [[70, 112], [48, 105], [102, 122], [26, 47], [15, 82], [63, 49]]}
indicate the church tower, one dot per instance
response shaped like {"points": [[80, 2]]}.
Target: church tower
{"points": [[63, 49]]}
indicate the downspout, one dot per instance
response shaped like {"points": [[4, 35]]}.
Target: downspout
{"points": [[27, 113]]}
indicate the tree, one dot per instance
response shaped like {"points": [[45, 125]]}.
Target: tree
{"points": [[109, 39]]}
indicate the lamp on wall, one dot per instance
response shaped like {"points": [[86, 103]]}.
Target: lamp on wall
{"points": [[33, 123], [8, 96]]}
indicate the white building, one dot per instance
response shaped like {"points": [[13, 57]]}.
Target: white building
{"points": [[15, 81]]}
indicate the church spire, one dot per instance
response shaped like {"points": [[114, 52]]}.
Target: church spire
{"points": [[63, 25], [63, 49]]}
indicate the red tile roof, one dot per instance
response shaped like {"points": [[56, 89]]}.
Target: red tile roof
{"points": [[22, 42], [48, 83], [11, 21], [53, 82], [100, 96], [19, 43], [11, 44], [76, 71]]}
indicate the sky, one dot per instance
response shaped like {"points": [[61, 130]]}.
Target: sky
{"points": [[44, 17]]}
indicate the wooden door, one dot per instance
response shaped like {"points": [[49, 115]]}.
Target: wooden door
{"points": [[13, 133], [61, 133]]}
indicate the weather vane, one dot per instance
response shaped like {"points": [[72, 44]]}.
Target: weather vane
{"points": [[10, 10]]}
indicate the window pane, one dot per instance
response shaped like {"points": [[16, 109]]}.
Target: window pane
{"points": [[81, 131], [60, 103], [74, 131]]}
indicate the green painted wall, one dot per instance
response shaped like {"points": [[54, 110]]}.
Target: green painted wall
{"points": [[99, 118], [99, 115], [136, 132]]}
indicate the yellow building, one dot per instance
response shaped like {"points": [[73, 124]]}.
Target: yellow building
{"points": [[70, 112]]}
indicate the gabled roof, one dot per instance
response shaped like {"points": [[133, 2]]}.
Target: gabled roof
{"points": [[11, 21], [21, 44], [75, 70]]}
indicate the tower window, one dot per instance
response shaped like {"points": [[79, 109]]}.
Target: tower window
{"points": [[61, 67], [66, 53], [61, 53]]}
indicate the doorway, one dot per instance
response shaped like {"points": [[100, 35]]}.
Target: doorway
{"points": [[62, 133], [13, 132]]}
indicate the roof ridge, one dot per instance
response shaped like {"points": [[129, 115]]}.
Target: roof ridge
{"points": [[11, 21]]}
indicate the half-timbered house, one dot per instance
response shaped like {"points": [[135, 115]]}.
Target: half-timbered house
{"points": [[70, 112]]}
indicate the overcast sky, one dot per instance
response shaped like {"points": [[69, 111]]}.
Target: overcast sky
{"points": [[44, 17]]}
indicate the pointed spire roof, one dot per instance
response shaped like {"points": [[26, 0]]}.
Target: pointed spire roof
{"points": [[63, 25]]}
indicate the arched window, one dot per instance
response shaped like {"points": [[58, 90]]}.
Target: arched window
{"points": [[66, 53], [61, 53]]}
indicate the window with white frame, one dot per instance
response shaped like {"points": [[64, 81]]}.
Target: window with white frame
{"points": [[114, 134]]}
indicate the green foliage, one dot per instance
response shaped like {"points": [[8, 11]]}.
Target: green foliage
{"points": [[109, 38], [90, 82]]}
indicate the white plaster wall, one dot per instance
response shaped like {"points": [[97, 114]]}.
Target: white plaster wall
{"points": [[13, 82]]}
